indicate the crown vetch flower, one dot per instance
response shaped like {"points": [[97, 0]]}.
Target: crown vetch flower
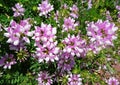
{"points": [[102, 31], [18, 10], [89, 4], [108, 16], [69, 24], [118, 7], [17, 32], [44, 37], [74, 45], [44, 33], [45, 7], [7, 60], [113, 81], [44, 78], [74, 11], [74, 79], [48, 52], [66, 62]]}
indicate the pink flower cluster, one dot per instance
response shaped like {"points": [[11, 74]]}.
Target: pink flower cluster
{"points": [[74, 45], [18, 10], [74, 79], [7, 60], [101, 33], [113, 81], [44, 37], [69, 24], [44, 78], [17, 32], [89, 4], [44, 33], [66, 62], [74, 11], [45, 7]]}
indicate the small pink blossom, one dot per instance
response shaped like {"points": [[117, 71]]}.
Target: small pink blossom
{"points": [[48, 52], [118, 7], [44, 78], [7, 60], [18, 31], [89, 4], [69, 24], [45, 7], [18, 10], [74, 11], [113, 81], [102, 31], [66, 62], [74, 45], [44, 33], [74, 79]]}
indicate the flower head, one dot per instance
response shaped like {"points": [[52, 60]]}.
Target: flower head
{"points": [[112, 81], [108, 16], [74, 45], [44, 33], [66, 62], [74, 79], [7, 60], [45, 7], [74, 11], [46, 46], [18, 31], [18, 10], [102, 31], [44, 78], [69, 24], [48, 52], [118, 7], [89, 4]]}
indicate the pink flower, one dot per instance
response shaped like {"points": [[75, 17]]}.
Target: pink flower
{"points": [[69, 24], [46, 46], [89, 4], [18, 10], [7, 60], [102, 31], [74, 11], [1, 27], [44, 78], [44, 33], [108, 16], [45, 7], [74, 45], [113, 81], [66, 62], [74, 79], [17, 32], [64, 6], [118, 8], [48, 52]]}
